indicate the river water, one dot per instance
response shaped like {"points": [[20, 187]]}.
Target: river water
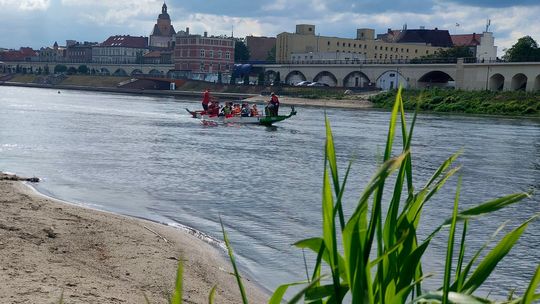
{"points": [[145, 157]]}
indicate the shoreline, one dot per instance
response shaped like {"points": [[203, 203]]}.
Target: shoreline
{"points": [[49, 246], [360, 103], [193, 94]]}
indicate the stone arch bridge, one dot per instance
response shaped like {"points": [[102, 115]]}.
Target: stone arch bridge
{"points": [[495, 76], [155, 70]]}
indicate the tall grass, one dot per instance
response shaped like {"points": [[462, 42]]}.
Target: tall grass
{"points": [[381, 258]]}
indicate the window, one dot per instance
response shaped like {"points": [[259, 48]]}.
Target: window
{"points": [[211, 54], [202, 53], [427, 52], [355, 45], [219, 54], [391, 49], [337, 43], [375, 47], [328, 43], [415, 51], [386, 48], [227, 55], [349, 45], [202, 66]]}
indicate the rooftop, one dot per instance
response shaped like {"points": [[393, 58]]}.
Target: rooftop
{"points": [[126, 41], [466, 39]]}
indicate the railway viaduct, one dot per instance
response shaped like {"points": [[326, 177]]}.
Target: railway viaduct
{"points": [[495, 76]]}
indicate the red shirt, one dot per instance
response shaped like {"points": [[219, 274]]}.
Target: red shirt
{"points": [[275, 100], [206, 97]]}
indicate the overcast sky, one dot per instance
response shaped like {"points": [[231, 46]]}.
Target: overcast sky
{"points": [[38, 23]]}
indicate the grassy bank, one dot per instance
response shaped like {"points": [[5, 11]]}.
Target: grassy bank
{"points": [[28, 78], [93, 81], [472, 102]]}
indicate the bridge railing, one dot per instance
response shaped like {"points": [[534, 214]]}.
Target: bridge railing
{"points": [[375, 61]]}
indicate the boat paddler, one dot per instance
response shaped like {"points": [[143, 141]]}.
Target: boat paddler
{"points": [[206, 99], [273, 105]]}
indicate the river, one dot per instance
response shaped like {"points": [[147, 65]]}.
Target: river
{"points": [[146, 157]]}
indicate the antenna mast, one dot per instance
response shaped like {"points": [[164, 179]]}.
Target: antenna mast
{"points": [[488, 23]]}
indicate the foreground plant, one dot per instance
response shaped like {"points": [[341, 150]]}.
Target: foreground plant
{"points": [[395, 273]]}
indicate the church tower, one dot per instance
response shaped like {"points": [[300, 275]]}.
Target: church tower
{"points": [[163, 34]]}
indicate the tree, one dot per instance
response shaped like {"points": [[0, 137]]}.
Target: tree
{"points": [[271, 54], [46, 70], [241, 51], [219, 78], [447, 55], [71, 71], [82, 69], [525, 49], [60, 68]]}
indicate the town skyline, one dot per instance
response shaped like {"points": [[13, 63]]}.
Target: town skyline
{"points": [[39, 23]]}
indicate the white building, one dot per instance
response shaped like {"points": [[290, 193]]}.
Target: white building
{"points": [[326, 56]]}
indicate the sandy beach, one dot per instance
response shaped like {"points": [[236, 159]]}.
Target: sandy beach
{"points": [[48, 247], [358, 102]]}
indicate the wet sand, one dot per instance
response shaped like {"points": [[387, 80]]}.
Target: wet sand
{"points": [[48, 247]]}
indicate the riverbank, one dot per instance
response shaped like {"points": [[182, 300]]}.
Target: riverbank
{"points": [[360, 101], [48, 247], [177, 93], [468, 102]]}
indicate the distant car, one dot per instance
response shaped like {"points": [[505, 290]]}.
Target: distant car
{"points": [[303, 83], [318, 84]]}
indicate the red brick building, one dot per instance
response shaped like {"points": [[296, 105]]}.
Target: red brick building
{"points": [[202, 54]]}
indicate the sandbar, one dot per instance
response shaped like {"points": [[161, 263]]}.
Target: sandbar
{"points": [[49, 247]]}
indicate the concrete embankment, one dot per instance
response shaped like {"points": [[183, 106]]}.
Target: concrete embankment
{"points": [[188, 94]]}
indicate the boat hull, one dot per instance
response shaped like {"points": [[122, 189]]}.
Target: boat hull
{"points": [[255, 120]]}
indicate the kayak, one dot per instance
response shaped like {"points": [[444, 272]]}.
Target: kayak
{"points": [[258, 120]]}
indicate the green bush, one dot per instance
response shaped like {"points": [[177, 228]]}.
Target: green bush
{"points": [[456, 101]]}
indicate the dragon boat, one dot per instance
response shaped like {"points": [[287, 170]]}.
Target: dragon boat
{"points": [[265, 120]]}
